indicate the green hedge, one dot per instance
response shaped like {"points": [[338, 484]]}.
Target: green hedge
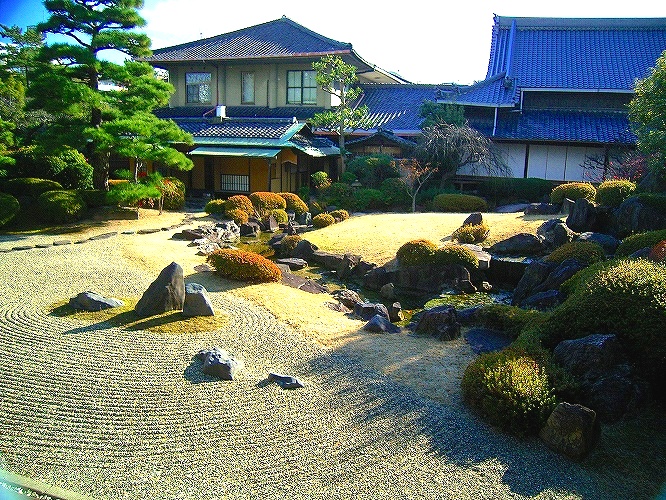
{"points": [[456, 254], [216, 206], [30, 186], [573, 191], [638, 241], [94, 197], [61, 206], [509, 189], [613, 193], [459, 203], [9, 207]]}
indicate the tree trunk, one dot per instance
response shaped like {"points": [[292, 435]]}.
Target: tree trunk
{"points": [[341, 144], [100, 164]]}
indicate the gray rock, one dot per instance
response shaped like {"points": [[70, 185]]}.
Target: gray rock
{"points": [[507, 270], [218, 363], [379, 324], [483, 340], [285, 381], [92, 301], [583, 216], [513, 208], [519, 244], [367, 310], [559, 275], [543, 300], [275, 241], [606, 241], [331, 261], [166, 293], [567, 206], [555, 233], [284, 268], [387, 291], [348, 264], [572, 430], [589, 356], [338, 307], [473, 219], [395, 312], [643, 253], [348, 297], [196, 301], [250, 229], [303, 284], [535, 274], [305, 219], [269, 224], [376, 278], [632, 216], [440, 322], [304, 250], [484, 257], [542, 209], [293, 263]]}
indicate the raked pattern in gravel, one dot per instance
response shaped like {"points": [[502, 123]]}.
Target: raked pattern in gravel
{"points": [[128, 415]]}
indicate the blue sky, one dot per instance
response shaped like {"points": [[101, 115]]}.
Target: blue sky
{"points": [[426, 41]]}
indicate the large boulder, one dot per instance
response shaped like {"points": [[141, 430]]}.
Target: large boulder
{"points": [[366, 310], [348, 264], [376, 278], [218, 363], [633, 216], [349, 298], [555, 233], [92, 301], [473, 219], [331, 261], [542, 209], [533, 276], [166, 293], [196, 301], [572, 430], [440, 322], [304, 250], [250, 228], [293, 263], [606, 241], [484, 257], [379, 324], [519, 244], [507, 271], [583, 216], [565, 270], [543, 301]]}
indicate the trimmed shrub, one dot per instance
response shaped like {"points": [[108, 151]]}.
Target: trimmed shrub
{"points": [[94, 197], [626, 297], [348, 177], [339, 194], [294, 204], [340, 215], [265, 201], [68, 167], [456, 254], [509, 389], [509, 189], [372, 170], [573, 191], [237, 215], [509, 319], [244, 266], [394, 191], [320, 180], [416, 253], [613, 193], [173, 191], [61, 206], [30, 186], [638, 241], [9, 207], [289, 242], [585, 252], [458, 203], [241, 202], [658, 252], [368, 199], [323, 220], [217, 206], [471, 233], [279, 215]]}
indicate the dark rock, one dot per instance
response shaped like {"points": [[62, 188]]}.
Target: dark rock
{"points": [[643, 253], [166, 293], [632, 216], [284, 268], [250, 229], [348, 297], [376, 278], [218, 363], [291, 227], [519, 244], [367, 310], [589, 356], [305, 219], [379, 324], [572, 430], [583, 216], [304, 284], [337, 306], [304, 250], [23, 247], [542, 209], [469, 315], [103, 236], [440, 322], [567, 206], [348, 264], [484, 257], [559, 275], [534, 275], [293, 263], [507, 270], [58, 243], [555, 233], [473, 219], [148, 231], [91, 301], [285, 381], [433, 278], [364, 267], [196, 301], [607, 242], [331, 261], [269, 224], [513, 208], [395, 312], [483, 340], [388, 291], [543, 300], [275, 241]]}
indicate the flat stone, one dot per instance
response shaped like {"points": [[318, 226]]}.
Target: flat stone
{"points": [[509, 209], [293, 263], [196, 301], [58, 243], [148, 231], [23, 247], [92, 301], [285, 381], [128, 232], [43, 245], [483, 340], [103, 236]]}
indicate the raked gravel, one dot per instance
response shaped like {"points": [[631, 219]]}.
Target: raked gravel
{"points": [[114, 414]]}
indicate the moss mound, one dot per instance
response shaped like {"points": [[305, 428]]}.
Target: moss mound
{"points": [[416, 253], [61, 206], [613, 193], [471, 233], [585, 252], [323, 220], [244, 266], [456, 254], [638, 241]]}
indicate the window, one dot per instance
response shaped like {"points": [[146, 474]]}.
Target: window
{"points": [[198, 87], [301, 87], [235, 183], [247, 92]]}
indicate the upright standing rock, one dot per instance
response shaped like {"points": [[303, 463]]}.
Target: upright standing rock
{"points": [[197, 302], [166, 293]]}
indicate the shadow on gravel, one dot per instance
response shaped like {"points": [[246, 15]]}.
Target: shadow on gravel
{"points": [[629, 462]]}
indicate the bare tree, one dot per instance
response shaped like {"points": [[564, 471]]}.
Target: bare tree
{"points": [[614, 163], [415, 176]]}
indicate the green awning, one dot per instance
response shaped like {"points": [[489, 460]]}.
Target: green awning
{"points": [[231, 151]]}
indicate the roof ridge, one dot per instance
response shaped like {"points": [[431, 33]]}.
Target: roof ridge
{"points": [[309, 31], [586, 23]]}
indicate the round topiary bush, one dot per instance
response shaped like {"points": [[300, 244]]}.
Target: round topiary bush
{"points": [[639, 241], [217, 206], [244, 266], [289, 242], [323, 220], [9, 207], [237, 215], [510, 390], [241, 202], [61, 206], [585, 252], [279, 215], [30, 186], [395, 192], [573, 191], [626, 297], [452, 202], [265, 201], [416, 253], [320, 180], [340, 215], [657, 254], [471, 233], [456, 254], [613, 193], [294, 204]]}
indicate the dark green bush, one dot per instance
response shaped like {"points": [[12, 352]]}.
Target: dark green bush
{"points": [[294, 204], [585, 252], [471, 233], [638, 241], [573, 191], [456, 254], [67, 167], [509, 389], [394, 191], [124, 174], [94, 197], [244, 266], [322, 220], [626, 297], [458, 203], [372, 170], [61, 206], [613, 193], [509, 319], [416, 253], [348, 177], [320, 180], [9, 207], [339, 194], [654, 200], [509, 189], [131, 194], [368, 199], [30, 186], [217, 206]]}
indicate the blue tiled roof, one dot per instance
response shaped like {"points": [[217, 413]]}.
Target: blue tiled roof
{"points": [[383, 134], [604, 127], [396, 107], [299, 112], [185, 112], [240, 129], [495, 91], [279, 38], [576, 53]]}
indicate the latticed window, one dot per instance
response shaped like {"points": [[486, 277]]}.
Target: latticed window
{"points": [[301, 87], [235, 183], [198, 87], [247, 93]]}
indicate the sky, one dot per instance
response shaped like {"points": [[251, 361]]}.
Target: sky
{"points": [[424, 41]]}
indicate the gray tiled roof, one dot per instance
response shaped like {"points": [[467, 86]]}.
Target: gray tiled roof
{"points": [[396, 107], [279, 38]]}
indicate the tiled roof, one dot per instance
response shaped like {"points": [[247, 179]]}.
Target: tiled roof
{"points": [[576, 53], [383, 134], [241, 128], [496, 91], [299, 112], [279, 38], [185, 112], [396, 107], [565, 126]]}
